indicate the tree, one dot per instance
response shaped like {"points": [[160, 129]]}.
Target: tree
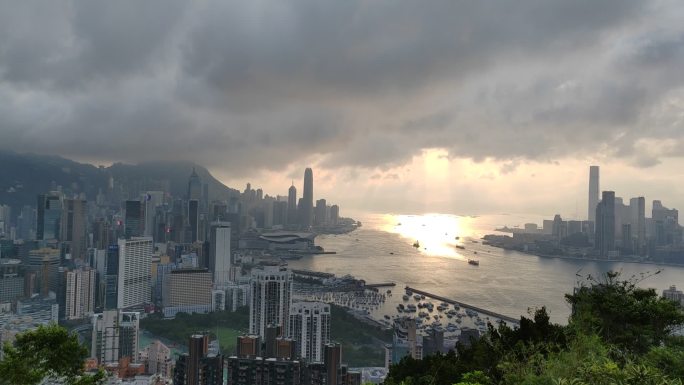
{"points": [[630, 317], [46, 352]]}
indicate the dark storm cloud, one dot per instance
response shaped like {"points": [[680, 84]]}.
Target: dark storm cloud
{"points": [[249, 85]]}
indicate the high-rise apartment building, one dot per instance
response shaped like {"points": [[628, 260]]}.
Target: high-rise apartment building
{"points": [[79, 293], [309, 326], [135, 274], [202, 365], [271, 298], [593, 192], [220, 257], [306, 208], [605, 225], [115, 335]]}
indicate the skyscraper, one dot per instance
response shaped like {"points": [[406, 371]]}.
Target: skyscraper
{"points": [[194, 186], [73, 227], [111, 277], [152, 200], [321, 217], [306, 210], [637, 208], [292, 205], [133, 219], [220, 259], [271, 299], [605, 224], [309, 326], [134, 278], [49, 214], [593, 192], [193, 219]]}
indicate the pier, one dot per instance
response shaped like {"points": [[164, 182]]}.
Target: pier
{"points": [[477, 309], [384, 284], [310, 273]]}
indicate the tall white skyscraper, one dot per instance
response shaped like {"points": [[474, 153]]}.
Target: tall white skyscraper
{"points": [[80, 293], [309, 326], [593, 192], [115, 335], [220, 258], [271, 298], [135, 272]]}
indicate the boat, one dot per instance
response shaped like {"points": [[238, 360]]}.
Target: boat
{"points": [[475, 252], [460, 247], [405, 297], [416, 244], [422, 296], [389, 291], [474, 262], [391, 253], [457, 238], [416, 297], [387, 317]]}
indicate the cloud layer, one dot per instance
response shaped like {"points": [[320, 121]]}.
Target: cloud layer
{"points": [[260, 85]]}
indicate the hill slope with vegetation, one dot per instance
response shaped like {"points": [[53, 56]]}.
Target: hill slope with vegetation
{"points": [[618, 333]]}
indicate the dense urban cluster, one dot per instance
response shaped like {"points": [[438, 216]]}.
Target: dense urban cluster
{"points": [[613, 231], [100, 266]]}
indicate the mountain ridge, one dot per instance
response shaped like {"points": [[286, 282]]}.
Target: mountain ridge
{"points": [[25, 175]]}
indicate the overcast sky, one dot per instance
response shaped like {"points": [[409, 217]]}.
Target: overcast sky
{"points": [[403, 106]]}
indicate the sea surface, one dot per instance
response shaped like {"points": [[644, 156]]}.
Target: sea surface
{"points": [[506, 282]]}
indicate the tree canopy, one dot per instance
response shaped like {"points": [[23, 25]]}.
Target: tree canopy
{"points": [[46, 352], [618, 333]]}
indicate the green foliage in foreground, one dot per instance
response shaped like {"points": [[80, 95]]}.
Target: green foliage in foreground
{"points": [[618, 334], [46, 352]]}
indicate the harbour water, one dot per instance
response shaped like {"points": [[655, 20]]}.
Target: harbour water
{"points": [[506, 282]]}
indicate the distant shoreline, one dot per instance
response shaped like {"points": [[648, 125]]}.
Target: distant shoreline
{"points": [[556, 256]]}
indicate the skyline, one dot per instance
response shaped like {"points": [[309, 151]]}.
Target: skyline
{"points": [[369, 95]]}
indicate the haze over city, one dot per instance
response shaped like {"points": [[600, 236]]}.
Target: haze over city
{"points": [[399, 106]]}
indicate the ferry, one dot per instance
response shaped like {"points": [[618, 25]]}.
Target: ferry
{"points": [[474, 262]]}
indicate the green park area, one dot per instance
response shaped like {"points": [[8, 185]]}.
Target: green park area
{"points": [[226, 325], [362, 344]]}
